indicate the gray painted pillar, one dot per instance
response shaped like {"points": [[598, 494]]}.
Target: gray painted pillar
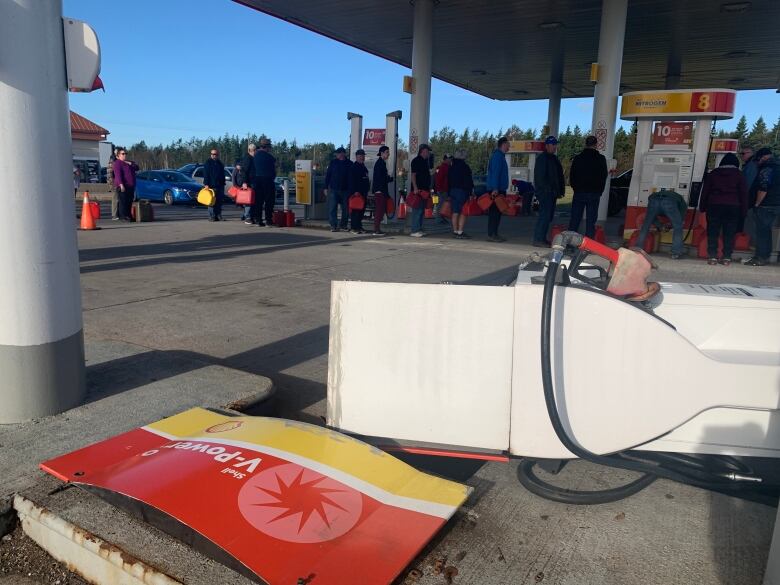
{"points": [[41, 338], [422, 63], [611, 37], [554, 108]]}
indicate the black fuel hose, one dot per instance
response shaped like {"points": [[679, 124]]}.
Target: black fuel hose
{"points": [[652, 465]]}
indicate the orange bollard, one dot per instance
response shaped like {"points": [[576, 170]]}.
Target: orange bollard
{"points": [[87, 220]]}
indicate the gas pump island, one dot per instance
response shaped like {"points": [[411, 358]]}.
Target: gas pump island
{"points": [[673, 143]]}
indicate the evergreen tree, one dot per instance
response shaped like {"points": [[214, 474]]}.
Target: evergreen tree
{"points": [[740, 132], [759, 134]]}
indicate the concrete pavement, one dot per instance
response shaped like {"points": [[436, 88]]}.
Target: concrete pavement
{"points": [[256, 300]]}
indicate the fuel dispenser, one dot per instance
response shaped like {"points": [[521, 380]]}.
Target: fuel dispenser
{"points": [[673, 143], [370, 140], [521, 159]]}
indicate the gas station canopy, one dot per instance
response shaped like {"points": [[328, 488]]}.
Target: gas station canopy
{"points": [[508, 50]]}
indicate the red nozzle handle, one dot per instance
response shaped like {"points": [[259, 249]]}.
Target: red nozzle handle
{"points": [[600, 250]]}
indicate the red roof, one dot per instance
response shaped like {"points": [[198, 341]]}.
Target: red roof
{"points": [[85, 129]]}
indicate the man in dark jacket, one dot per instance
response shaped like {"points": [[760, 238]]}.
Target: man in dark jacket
{"points": [[248, 179], [379, 183], [588, 177], [358, 186], [549, 186], [336, 185], [264, 173], [767, 205], [214, 178]]}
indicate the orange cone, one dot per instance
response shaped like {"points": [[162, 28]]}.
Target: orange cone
{"points": [[87, 221]]}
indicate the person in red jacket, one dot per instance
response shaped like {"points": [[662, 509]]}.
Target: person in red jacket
{"points": [[724, 198], [441, 183]]}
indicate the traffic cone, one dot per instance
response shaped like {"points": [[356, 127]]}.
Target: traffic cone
{"points": [[87, 221]]}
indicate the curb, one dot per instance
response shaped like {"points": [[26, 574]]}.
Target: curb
{"points": [[82, 552]]}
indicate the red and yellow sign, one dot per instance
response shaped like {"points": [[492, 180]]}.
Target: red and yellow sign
{"points": [[673, 134], [724, 145], [682, 103], [286, 499], [521, 146], [374, 136]]}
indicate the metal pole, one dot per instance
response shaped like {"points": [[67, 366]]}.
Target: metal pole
{"points": [[286, 188], [422, 62], [611, 37], [41, 332]]}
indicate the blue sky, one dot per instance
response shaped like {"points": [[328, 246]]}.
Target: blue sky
{"points": [[182, 68]]}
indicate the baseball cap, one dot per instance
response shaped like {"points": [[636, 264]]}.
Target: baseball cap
{"points": [[360, 151], [551, 140], [340, 149], [265, 142]]}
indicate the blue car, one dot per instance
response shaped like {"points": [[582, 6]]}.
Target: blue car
{"points": [[170, 187]]}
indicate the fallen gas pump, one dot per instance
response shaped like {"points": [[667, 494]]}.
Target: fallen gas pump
{"points": [[278, 501], [567, 363]]}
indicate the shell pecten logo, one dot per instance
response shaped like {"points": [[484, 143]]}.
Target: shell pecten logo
{"points": [[224, 427]]}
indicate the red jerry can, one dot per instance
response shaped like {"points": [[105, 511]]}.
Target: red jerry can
{"points": [[94, 210], [289, 218], [428, 213], [600, 236], [742, 241], [649, 246], [402, 210], [278, 218], [557, 229]]}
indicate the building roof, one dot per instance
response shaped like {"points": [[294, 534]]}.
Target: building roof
{"points": [[506, 50], [83, 129]]}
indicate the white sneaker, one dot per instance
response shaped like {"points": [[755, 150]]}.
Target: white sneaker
{"points": [[417, 234]]}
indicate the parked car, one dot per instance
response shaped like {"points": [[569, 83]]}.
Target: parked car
{"points": [[618, 192], [170, 187], [197, 175], [188, 169]]}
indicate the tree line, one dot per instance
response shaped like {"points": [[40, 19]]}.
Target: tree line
{"points": [[478, 146]]}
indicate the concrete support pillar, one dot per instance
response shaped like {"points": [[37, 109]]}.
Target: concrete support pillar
{"points": [[422, 63], [41, 336], [554, 108], [701, 147], [611, 37], [355, 133]]}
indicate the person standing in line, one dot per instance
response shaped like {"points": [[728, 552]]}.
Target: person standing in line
{"points": [[766, 208], [247, 166], [420, 172], [461, 187], [497, 183], [549, 186], [588, 177], [124, 180], [379, 184], [336, 185], [264, 165], [724, 199], [358, 186], [441, 184], [76, 180], [111, 187], [749, 165], [214, 178]]}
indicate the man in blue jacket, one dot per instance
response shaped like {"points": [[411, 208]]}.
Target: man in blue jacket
{"points": [[336, 185], [497, 183], [549, 186], [214, 178]]}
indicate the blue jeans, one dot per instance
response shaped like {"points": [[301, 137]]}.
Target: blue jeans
{"points": [[765, 219], [417, 219], [588, 203], [547, 202], [337, 198], [663, 206]]}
